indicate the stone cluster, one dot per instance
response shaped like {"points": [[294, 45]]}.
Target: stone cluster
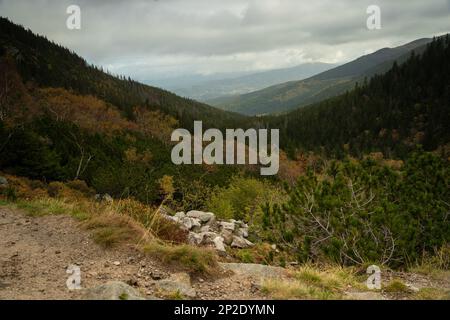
{"points": [[206, 230]]}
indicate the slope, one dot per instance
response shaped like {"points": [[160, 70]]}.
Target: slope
{"points": [[392, 113], [291, 95], [51, 65]]}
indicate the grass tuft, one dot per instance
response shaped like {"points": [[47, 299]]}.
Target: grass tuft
{"points": [[110, 230], [309, 283], [190, 259], [396, 286]]}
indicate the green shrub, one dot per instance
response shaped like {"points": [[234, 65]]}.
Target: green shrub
{"points": [[242, 199], [364, 211]]}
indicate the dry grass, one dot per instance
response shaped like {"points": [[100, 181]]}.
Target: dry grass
{"points": [[436, 266], [111, 229], [49, 206], [309, 282], [191, 259], [432, 294]]}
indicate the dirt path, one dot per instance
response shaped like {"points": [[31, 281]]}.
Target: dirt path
{"points": [[36, 251]]}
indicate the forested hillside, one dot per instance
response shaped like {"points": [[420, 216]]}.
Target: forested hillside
{"points": [[50, 65], [292, 95], [392, 113], [62, 119]]}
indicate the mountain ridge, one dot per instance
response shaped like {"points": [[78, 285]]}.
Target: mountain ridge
{"points": [[215, 88], [288, 96]]}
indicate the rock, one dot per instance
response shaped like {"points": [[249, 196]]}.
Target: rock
{"points": [[187, 223], [255, 270], [178, 282], [114, 290], [227, 236], [368, 295], [239, 242], [412, 287], [195, 238], [255, 287], [211, 222], [208, 237], [205, 229], [227, 225], [116, 263], [190, 223], [202, 216], [132, 282], [3, 182], [106, 197], [180, 215], [218, 243], [196, 223], [242, 232]]}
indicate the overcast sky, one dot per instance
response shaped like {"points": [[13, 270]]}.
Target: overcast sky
{"points": [[156, 38]]}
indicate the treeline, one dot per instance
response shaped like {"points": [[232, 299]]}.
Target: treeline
{"points": [[392, 113]]}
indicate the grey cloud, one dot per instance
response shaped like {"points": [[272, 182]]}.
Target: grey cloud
{"points": [[161, 36]]}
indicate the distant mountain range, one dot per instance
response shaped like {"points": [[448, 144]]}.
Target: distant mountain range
{"points": [[203, 88], [295, 94]]}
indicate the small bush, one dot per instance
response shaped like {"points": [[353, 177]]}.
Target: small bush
{"points": [[243, 198], [81, 186], [54, 189]]}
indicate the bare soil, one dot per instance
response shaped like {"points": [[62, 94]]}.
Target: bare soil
{"points": [[36, 251]]}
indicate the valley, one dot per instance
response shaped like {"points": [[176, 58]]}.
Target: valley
{"points": [[88, 179]]}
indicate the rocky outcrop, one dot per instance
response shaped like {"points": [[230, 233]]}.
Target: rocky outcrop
{"points": [[202, 216], [205, 230], [114, 290], [177, 283], [255, 270]]}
